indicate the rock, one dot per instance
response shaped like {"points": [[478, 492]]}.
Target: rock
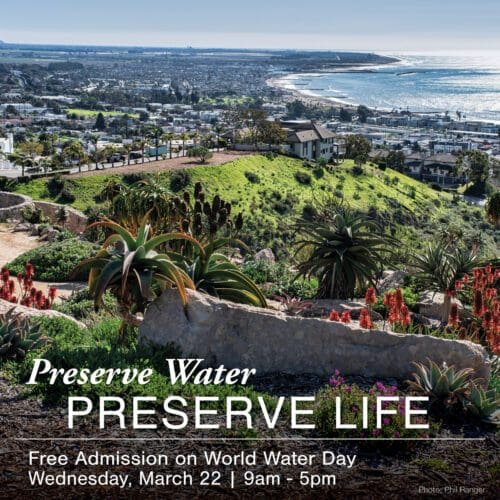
{"points": [[391, 281], [430, 304], [266, 255], [50, 235], [241, 336], [29, 312], [22, 227], [322, 307]]}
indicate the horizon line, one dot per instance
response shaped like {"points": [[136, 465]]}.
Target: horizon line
{"points": [[377, 51]]}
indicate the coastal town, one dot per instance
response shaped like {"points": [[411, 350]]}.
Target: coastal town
{"points": [[262, 272], [72, 110]]}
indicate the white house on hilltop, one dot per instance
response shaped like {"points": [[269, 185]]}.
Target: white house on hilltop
{"points": [[310, 141]]}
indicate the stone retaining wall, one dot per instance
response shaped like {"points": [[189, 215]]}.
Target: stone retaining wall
{"points": [[11, 205], [76, 223], [242, 336]]}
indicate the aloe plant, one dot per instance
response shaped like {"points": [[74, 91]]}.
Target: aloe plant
{"points": [[18, 335], [213, 273], [344, 250], [133, 271], [484, 404], [443, 384]]}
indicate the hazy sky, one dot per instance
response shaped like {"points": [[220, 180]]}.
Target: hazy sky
{"points": [[392, 25]]}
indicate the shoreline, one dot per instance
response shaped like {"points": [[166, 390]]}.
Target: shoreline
{"points": [[331, 102], [291, 94]]}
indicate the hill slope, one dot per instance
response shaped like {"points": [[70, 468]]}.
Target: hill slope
{"points": [[273, 193]]}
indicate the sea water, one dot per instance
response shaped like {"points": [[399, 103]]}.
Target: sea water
{"points": [[467, 82]]}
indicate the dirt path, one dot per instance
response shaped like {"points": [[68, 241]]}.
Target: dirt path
{"points": [[13, 244], [162, 165]]}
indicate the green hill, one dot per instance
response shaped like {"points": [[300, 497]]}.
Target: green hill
{"points": [[272, 193]]}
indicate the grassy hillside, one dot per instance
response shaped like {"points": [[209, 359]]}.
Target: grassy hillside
{"points": [[270, 193]]}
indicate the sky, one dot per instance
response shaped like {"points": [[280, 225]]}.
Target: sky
{"points": [[374, 25]]}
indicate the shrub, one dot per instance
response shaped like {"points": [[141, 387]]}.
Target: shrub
{"points": [[55, 261], [253, 178], [130, 179], [319, 172], [279, 279], [357, 170], [309, 211], [7, 184], [351, 397], [80, 305], [436, 186], [303, 178], [180, 179], [55, 185], [33, 215], [66, 196], [200, 152]]}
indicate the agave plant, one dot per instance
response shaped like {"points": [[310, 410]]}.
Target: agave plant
{"points": [[443, 385], [133, 271], [18, 336], [213, 273], [344, 250], [484, 404]]}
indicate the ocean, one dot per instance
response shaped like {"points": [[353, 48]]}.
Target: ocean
{"points": [[465, 82]]}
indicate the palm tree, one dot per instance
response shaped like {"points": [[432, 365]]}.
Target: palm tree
{"points": [[154, 132], [141, 144], [93, 139], [74, 152], [344, 250], [218, 130], [184, 136], [127, 148], [23, 160], [440, 265], [169, 138], [130, 267]]}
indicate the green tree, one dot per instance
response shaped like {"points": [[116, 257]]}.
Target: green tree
{"points": [[344, 115], [154, 132], [363, 113], [271, 133], [200, 152], [477, 166], [396, 160], [75, 152], [169, 137], [100, 122], [357, 148]]}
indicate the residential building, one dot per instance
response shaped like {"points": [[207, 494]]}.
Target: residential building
{"points": [[311, 141]]}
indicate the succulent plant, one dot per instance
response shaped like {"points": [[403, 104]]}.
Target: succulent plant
{"points": [[443, 384], [18, 335], [484, 404]]}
